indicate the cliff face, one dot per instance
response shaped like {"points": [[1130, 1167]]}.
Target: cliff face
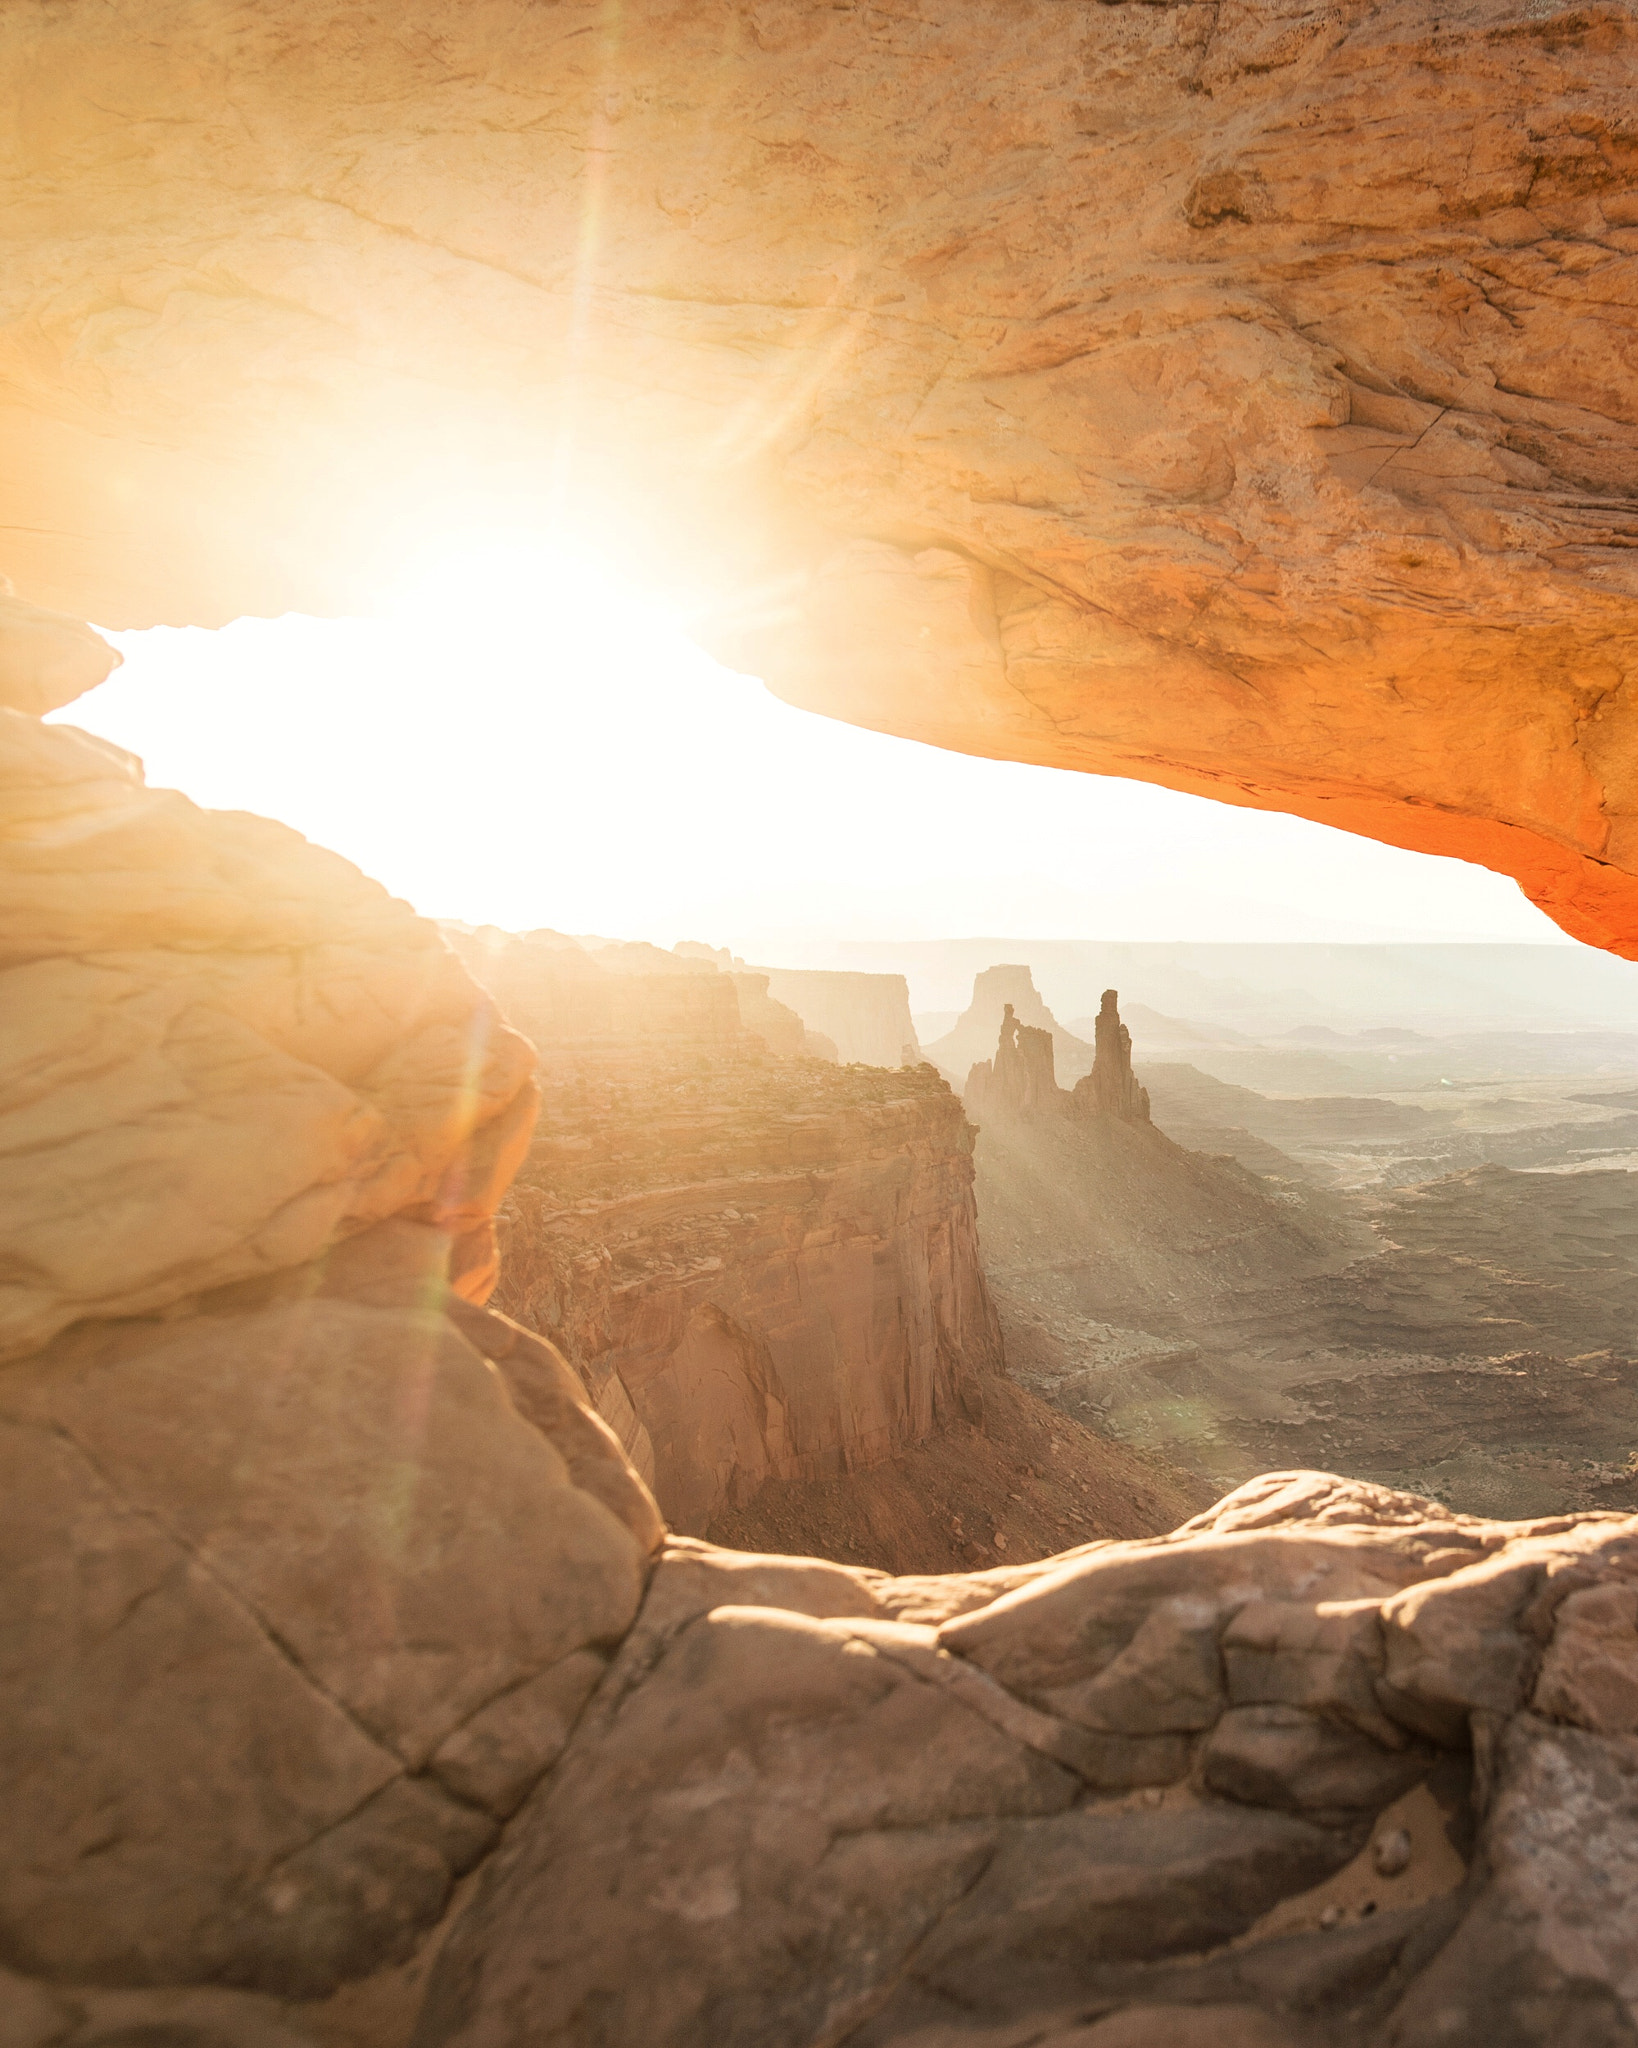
{"points": [[762, 1265], [236, 1050], [776, 1024], [762, 1268], [322, 1585], [300, 1590], [1244, 397]]}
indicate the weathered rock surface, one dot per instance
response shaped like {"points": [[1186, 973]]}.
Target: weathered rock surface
{"points": [[296, 1599], [1238, 396], [233, 1050], [832, 1806], [277, 1584]]}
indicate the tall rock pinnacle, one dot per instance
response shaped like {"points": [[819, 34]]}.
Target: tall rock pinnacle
{"points": [[1111, 1085]]}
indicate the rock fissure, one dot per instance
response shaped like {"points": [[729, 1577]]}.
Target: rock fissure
{"points": [[264, 1628]]}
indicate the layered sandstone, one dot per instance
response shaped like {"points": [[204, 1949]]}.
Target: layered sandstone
{"points": [[763, 1266], [325, 1589], [299, 1592], [1243, 397], [234, 1050]]}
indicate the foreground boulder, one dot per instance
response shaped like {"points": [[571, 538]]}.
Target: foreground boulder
{"points": [[1192, 1773], [1328, 1764]]}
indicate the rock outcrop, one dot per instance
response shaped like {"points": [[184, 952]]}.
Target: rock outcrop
{"points": [[235, 1051], [1020, 1082], [299, 1591], [1329, 1763], [1242, 397], [1112, 1089], [762, 1266], [999, 992]]}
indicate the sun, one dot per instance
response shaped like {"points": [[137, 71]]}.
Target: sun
{"points": [[489, 579]]}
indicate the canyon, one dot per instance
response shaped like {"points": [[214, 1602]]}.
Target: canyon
{"points": [[1237, 397], [765, 1268], [1437, 1296], [282, 1490]]}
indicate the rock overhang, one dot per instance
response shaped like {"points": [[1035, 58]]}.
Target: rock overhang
{"points": [[1244, 398]]}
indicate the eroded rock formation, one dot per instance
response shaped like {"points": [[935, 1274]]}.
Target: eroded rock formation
{"points": [[325, 1586], [234, 1049], [1112, 1089], [1019, 1081], [997, 993], [763, 1267], [299, 1594], [1238, 396]]}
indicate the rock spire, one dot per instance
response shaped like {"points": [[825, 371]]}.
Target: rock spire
{"points": [[1112, 1086], [1020, 1080]]}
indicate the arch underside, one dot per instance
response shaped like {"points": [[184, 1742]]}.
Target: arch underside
{"points": [[1243, 398]]}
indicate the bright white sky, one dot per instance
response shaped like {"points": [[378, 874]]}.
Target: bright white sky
{"points": [[522, 741]]}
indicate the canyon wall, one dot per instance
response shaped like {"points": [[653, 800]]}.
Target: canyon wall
{"points": [[1243, 397], [762, 1266]]}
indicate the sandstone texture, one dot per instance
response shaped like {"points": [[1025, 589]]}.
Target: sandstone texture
{"points": [[297, 1596], [351, 1695], [1238, 396], [1303, 1772], [233, 1050]]}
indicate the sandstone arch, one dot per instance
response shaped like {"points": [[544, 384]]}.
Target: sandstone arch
{"points": [[1241, 396], [1014, 373]]}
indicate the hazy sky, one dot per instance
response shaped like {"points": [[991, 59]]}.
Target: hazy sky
{"points": [[536, 745]]}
